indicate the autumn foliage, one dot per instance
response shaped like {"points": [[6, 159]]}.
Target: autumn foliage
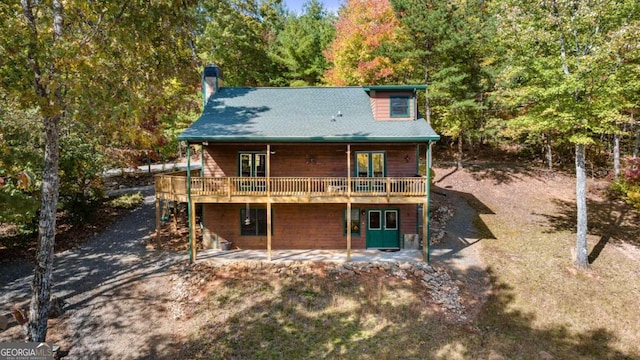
{"points": [[365, 32]]}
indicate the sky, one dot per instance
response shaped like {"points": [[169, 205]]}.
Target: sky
{"points": [[296, 5]]}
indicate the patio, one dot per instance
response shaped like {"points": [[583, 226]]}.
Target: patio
{"points": [[334, 256]]}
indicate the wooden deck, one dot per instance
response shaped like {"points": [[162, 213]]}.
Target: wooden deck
{"points": [[291, 189]]}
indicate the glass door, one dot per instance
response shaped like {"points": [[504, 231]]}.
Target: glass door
{"points": [[370, 165]]}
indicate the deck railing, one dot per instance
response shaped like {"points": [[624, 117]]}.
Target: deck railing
{"points": [[291, 186]]}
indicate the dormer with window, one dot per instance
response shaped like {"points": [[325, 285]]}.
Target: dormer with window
{"points": [[394, 102]]}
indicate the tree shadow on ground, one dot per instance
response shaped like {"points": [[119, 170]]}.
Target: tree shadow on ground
{"points": [[505, 173], [611, 220], [369, 316], [466, 227], [512, 332]]}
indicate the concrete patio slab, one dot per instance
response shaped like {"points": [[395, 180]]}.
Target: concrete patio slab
{"points": [[338, 256]]}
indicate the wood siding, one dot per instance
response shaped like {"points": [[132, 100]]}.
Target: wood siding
{"points": [[300, 226], [381, 105]]}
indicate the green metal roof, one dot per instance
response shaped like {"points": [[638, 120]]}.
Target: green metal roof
{"points": [[307, 114]]}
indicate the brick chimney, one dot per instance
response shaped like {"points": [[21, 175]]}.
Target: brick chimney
{"points": [[211, 81]]}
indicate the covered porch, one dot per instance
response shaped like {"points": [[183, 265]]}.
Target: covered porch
{"points": [[311, 255]]}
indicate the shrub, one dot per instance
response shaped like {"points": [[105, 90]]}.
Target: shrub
{"points": [[628, 187]]}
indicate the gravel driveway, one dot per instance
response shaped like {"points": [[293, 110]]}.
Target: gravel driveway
{"points": [[111, 285]]}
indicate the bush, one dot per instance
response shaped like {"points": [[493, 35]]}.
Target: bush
{"points": [[81, 169], [628, 187], [633, 197]]}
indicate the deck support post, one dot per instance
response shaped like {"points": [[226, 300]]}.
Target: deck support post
{"points": [[190, 214], [158, 219], [348, 202], [268, 202], [268, 230], [192, 234], [348, 230], [426, 209]]}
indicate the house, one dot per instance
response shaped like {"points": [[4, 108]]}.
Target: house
{"points": [[307, 168]]}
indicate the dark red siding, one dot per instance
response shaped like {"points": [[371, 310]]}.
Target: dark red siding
{"points": [[300, 226], [304, 226], [308, 160]]}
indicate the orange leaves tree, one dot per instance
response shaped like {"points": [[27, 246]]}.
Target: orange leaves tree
{"points": [[362, 52]]}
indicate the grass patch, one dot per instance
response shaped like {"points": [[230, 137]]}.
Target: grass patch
{"points": [[540, 302], [127, 201], [264, 314]]}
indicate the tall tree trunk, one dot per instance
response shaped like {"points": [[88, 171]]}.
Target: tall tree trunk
{"points": [[616, 155], [41, 284], [581, 260], [460, 151], [549, 154], [427, 105], [636, 145]]}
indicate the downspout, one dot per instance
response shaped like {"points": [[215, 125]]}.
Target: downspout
{"points": [[189, 209], [348, 202], [428, 209], [417, 173], [202, 145]]}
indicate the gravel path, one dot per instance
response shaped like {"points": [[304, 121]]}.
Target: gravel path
{"points": [[460, 249], [111, 286]]}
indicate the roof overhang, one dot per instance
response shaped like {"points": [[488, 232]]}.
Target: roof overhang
{"points": [[319, 139], [413, 88]]}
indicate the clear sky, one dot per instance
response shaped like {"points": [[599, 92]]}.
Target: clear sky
{"points": [[331, 5]]}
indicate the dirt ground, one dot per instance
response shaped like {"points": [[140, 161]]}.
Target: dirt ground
{"points": [[134, 319]]}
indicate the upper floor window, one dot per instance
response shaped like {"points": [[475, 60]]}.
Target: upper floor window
{"points": [[253, 164], [400, 106], [370, 164]]}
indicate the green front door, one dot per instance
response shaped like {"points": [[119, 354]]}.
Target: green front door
{"points": [[383, 230]]}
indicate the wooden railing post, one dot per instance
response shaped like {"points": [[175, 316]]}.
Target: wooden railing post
{"points": [[388, 187]]}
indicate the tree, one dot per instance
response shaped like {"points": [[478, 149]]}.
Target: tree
{"points": [[448, 45], [19, 165], [555, 73], [300, 44], [238, 36], [85, 62], [361, 52]]}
